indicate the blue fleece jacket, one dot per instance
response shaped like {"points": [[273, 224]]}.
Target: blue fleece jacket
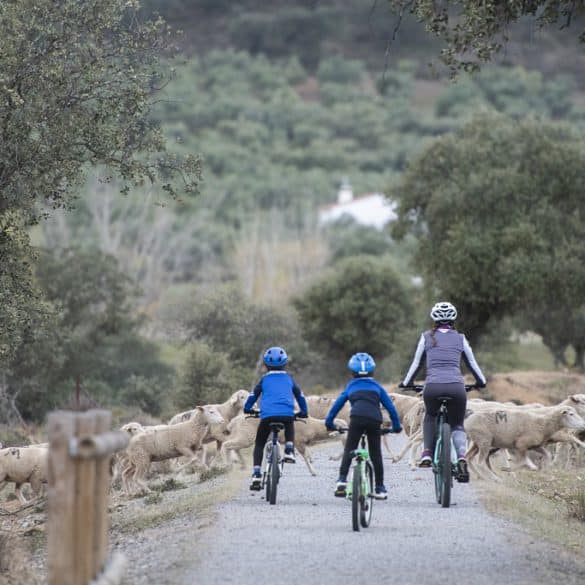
{"points": [[279, 391], [365, 396]]}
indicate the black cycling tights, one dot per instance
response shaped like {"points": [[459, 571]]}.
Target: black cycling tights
{"points": [[357, 426], [263, 433]]}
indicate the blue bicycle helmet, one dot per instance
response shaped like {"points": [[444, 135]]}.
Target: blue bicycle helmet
{"points": [[275, 357], [362, 364]]}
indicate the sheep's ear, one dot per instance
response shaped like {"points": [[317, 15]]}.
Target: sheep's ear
{"points": [[578, 398], [199, 408]]}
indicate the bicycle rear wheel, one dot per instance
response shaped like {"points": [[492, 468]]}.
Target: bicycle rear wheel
{"points": [[268, 472], [367, 497], [355, 497], [274, 473], [445, 465]]}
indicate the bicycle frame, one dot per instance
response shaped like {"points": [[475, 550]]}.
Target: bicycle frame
{"points": [[362, 482], [444, 464], [274, 465], [361, 456], [272, 472]]}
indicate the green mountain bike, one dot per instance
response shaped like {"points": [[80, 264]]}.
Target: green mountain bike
{"points": [[444, 463], [360, 491]]}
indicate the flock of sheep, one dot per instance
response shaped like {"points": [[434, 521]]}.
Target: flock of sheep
{"points": [[219, 432]]}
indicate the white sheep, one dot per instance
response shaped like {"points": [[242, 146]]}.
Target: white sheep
{"points": [[217, 432], [319, 407], [411, 410], [516, 428], [242, 434], [183, 439], [22, 465]]}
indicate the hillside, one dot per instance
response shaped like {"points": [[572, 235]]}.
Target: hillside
{"points": [[357, 29]]}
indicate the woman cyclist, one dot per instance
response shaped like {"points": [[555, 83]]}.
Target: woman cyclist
{"points": [[442, 349]]}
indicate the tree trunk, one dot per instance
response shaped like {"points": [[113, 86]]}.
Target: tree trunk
{"points": [[579, 357]]}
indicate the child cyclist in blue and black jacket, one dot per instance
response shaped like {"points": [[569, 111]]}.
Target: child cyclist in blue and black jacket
{"points": [[279, 391], [365, 396]]}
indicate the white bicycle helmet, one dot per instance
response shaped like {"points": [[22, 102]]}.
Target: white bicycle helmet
{"points": [[443, 311]]}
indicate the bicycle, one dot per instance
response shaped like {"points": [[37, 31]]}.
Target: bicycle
{"points": [[273, 462], [444, 464], [362, 483]]}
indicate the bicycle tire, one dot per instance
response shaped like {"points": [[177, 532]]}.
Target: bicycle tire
{"points": [[274, 474], [268, 471], [445, 459], [437, 463], [367, 498], [355, 497]]}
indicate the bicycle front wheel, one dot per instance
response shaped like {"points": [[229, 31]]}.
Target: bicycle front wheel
{"points": [[445, 465], [355, 497], [367, 496], [274, 474]]}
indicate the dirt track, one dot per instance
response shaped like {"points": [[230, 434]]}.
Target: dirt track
{"points": [[307, 538]]}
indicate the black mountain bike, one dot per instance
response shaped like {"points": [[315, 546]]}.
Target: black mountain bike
{"points": [[444, 463], [273, 461]]}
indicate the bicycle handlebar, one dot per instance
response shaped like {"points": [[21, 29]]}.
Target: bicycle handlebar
{"points": [[419, 388], [342, 430], [256, 414]]}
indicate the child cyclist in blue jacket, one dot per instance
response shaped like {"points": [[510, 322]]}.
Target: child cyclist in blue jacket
{"points": [[365, 396], [278, 390]]}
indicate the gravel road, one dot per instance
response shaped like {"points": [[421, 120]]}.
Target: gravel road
{"points": [[307, 537]]}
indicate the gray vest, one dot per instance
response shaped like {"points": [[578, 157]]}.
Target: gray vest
{"points": [[444, 358]]}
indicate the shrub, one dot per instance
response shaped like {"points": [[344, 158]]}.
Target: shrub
{"points": [[360, 305]]}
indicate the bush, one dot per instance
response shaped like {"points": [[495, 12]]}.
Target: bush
{"points": [[147, 394], [360, 305], [204, 378], [348, 238], [241, 330]]}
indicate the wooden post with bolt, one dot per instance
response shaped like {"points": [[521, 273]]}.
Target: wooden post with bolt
{"points": [[80, 449]]}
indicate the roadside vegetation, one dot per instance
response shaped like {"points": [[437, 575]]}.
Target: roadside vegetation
{"points": [[549, 504]]}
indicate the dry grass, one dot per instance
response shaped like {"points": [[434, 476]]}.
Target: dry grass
{"points": [[535, 386], [550, 505], [15, 561], [131, 516]]}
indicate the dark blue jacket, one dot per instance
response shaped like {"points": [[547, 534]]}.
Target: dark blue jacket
{"points": [[278, 390], [365, 396]]}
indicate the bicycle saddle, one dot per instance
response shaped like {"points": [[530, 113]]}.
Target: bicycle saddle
{"points": [[277, 426]]}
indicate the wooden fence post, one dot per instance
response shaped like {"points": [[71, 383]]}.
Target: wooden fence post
{"points": [[84, 504], [103, 422], [80, 447], [61, 495]]}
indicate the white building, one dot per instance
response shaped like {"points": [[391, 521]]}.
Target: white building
{"points": [[372, 209]]}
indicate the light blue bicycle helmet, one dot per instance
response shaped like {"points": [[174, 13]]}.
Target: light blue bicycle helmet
{"points": [[275, 357], [362, 364]]}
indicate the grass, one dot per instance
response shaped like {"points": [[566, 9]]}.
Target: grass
{"points": [[158, 510], [170, 484], [549, 504], [577, 506], [212, 472], [15, 561]]}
